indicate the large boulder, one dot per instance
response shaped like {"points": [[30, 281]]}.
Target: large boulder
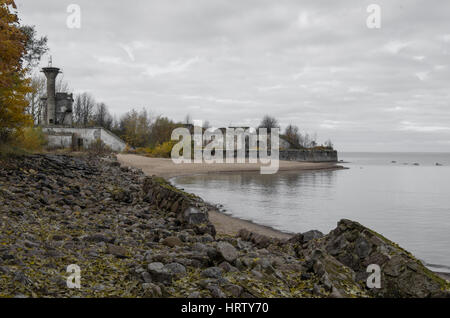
{"points": [[356, 247], [159, 273], [227, 251]]}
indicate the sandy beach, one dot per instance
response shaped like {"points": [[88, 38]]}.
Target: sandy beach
{"points": [[224, 224]]}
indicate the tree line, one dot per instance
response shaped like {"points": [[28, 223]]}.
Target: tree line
{"points": [[293, 136]]}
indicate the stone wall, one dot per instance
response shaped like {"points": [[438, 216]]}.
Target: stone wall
{"points": [[309, 155], [189, 210], [297, 155]]}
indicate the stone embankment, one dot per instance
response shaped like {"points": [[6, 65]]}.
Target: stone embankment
{"points": [[138, 236]]}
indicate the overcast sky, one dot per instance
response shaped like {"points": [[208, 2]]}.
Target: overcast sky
{"points": [[314, 63]]}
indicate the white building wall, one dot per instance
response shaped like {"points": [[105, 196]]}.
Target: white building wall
{"points": [[112, 140], [59, 141], [88, 135]]}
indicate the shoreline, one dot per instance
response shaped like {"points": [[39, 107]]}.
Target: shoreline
{"points": [[116, 222], [225, 224]]}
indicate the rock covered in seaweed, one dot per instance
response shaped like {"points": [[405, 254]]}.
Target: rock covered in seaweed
{"points": [[356, 247]]}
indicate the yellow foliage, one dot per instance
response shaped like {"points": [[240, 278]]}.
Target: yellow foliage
{"points": [[31, 139], [164, 150], [160, 151], [143, 151], [13, 82]]}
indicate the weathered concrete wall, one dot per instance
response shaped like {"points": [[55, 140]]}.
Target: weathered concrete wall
{"points": [[299, 155], [191, 211], [309, 155], [112, 140], [61, 140], [88, 135]]}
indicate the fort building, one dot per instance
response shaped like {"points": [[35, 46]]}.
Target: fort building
{"points": [[57, 120]]}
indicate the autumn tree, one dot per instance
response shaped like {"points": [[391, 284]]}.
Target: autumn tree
{"points": [[161, 130], [135, 128], [14, 84], [35, 48]]}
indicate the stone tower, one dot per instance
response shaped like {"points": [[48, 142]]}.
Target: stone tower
{"points": [[51, 73], [57, 108]]}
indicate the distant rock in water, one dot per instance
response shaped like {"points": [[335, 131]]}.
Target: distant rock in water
{"points": [[439, 164]]}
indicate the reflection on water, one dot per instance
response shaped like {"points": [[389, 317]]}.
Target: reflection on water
{"points": [[408, 204]]}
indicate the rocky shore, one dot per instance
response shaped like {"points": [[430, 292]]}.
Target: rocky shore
{"points": [[138, 236]]}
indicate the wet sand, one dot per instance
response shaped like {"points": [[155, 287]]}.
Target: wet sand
{"points": [[224, 224]]}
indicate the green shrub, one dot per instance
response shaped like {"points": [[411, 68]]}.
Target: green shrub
{"points": [[30, 139], [163, 150]]}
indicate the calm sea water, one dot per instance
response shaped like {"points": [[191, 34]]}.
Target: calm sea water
{"points": [[409, 204]]}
